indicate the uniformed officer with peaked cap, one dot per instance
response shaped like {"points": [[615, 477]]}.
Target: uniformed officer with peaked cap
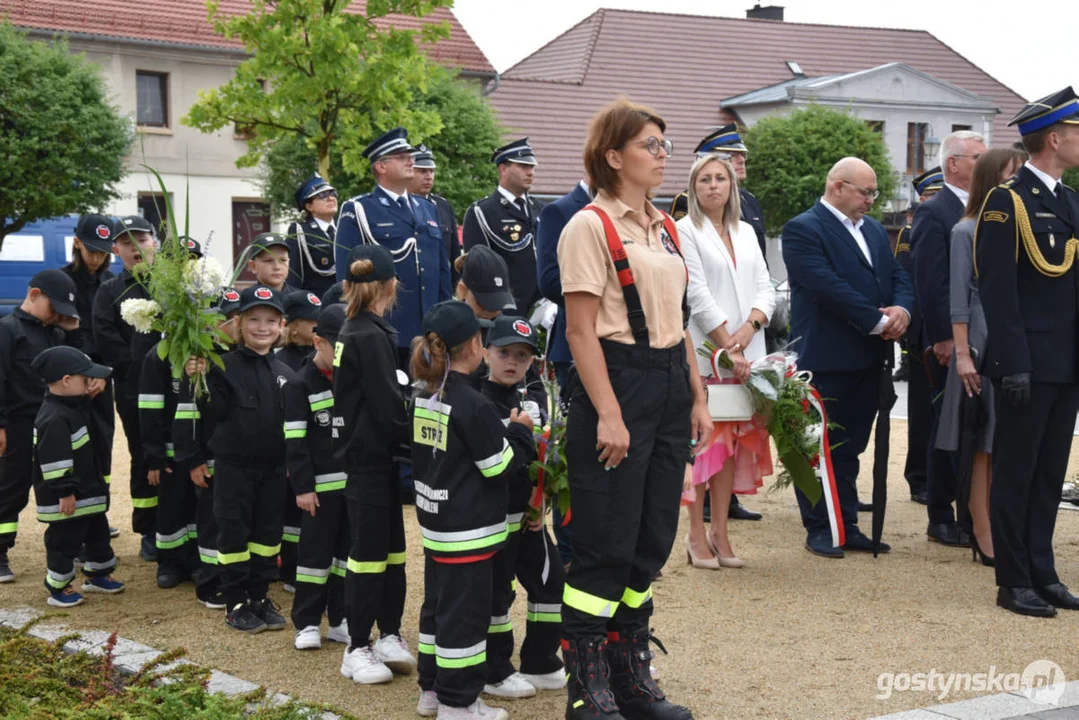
{"points": [[423, 180], [1025, 251], [505, 220], [311, 238]]}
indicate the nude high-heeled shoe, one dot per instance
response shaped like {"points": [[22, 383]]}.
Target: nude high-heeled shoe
{"points": [[731, 562], [698, 562]]}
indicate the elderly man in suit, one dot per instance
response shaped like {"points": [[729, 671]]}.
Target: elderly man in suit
{"points": [[849, 297], [931, 242]]}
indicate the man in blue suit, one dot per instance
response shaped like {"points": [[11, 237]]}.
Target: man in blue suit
{"points": [[406, 225], [931, 243], [848, 298]]}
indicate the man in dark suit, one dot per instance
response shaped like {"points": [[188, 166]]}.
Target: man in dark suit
{"points": [[931, 242], [505, 221], [423, 181], [848, 298], [1025, 256]]}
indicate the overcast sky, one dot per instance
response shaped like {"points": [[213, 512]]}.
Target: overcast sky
{"points": [[1028, 46]]}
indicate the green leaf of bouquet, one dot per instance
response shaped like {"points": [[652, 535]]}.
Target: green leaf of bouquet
{"points": [[802, 474], [163, 349], [216, 360]]}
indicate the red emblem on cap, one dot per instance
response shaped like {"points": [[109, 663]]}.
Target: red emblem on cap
{"points": [[232, 296], [102, 231], [190, 244], [263, 293], [522, 328], [313, 299]]}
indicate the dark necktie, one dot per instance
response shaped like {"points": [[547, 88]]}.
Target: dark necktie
{"points": [[331, 233], [403, 202], [519, 203]]}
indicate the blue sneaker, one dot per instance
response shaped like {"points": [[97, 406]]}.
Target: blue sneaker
{"points": [[103, 584], [65, 598]]}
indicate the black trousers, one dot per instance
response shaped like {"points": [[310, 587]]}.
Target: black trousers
{"points": [[524, 557], [206, 580], [63, 541], [624, 520], [249, 509], [322, 560], [453, 629], [850, 400], [941, 482], [375, 581], [291, 537], [1030, 460], [918, 420], [143, 494], [177, 531], [16, 478]]}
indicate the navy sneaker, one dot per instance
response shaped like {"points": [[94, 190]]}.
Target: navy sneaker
{"points": [[104, 584], [148, 548], [243, 619], [65, 598], [267, 611]]}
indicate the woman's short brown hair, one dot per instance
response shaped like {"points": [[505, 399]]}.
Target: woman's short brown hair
{"points": [[611, 129], [987, 171]]}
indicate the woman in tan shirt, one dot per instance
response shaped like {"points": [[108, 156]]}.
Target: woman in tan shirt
{"points": [[634, 414]]}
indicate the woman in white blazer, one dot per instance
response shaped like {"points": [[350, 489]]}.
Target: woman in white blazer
{"points": [[731, 300]]}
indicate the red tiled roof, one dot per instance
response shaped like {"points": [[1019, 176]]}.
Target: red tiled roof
{"points": [[184, 22], [682, 66]]}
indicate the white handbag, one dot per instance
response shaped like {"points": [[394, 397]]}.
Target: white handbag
{"points": [[728, 400]]}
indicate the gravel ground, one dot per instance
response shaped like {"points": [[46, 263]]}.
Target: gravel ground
{"points": [[788, 636]]}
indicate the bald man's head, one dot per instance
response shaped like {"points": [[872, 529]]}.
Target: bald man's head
{"points": [[851, 187]]}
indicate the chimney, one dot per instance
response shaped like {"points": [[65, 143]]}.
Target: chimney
{"points": [[768, 12]]}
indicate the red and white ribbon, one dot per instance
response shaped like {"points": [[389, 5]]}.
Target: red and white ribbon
{"points": [[826, 474]]}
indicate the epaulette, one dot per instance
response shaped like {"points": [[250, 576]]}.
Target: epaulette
{"points": [[747, 192], [1007, 183]]}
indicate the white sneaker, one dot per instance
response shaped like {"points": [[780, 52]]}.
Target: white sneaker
{"points": [[393, 651], [363, 667], [309, 638], [548, 681], [515, 686], [478, 710], [339, 633], [428, 704]]}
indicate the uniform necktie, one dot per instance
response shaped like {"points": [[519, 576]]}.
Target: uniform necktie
{"points": [[403, 202], [520, 205]]}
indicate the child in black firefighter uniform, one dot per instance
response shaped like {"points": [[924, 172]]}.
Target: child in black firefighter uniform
{"points": [[298, 344], [530, 555], [371, 417], [464, 457], [248, 445], [318, 480], [69, 484], [194, 460]]}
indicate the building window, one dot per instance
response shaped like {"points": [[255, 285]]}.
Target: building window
{"points": [[154, 209], [916, 135], [957, 128], [876, 126], [152, 98]]}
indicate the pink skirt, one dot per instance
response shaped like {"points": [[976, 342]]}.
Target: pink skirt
{"points": [[747, 443]]}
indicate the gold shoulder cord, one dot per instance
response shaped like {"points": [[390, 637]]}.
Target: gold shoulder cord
{"points": [[1022, 224]]}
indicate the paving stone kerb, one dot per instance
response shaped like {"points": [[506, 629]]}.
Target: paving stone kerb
{"points": [[1003, 706], [128, 656]]}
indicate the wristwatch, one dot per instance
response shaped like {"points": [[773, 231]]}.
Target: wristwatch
{"points": [[756, 324]]}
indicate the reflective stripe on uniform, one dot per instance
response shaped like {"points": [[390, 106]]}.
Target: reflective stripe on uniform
{"points": [[170, 541], [291, 534], [330, 481], [57, 580], [395, 559], [86, 506], [321, 401], [461, 657], [264, 550], [545, 612], [496, 464], [224, 558], [426, 644], [500, 623], [192, 531], [513, 521], [91, 566], [296, 429], [9, 527], [79, 438], [144, 503], [53, 470], [208, 556], [316, 576], [187, 411], [339, 567], [366, 567], [151, 402], [465, 539], [588, 603], [634, 599], [170, 450]]}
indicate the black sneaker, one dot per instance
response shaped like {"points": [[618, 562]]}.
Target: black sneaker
{"points": [[148, 549], [243, 619], [168, 577], [6, 576], [114, 532], [267, 612], [214, 600]]}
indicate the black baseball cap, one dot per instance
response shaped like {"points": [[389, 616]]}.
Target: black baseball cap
{"points": [[510, 330], [453, 321], [379, 256], [132, 223], [257, 295], [228, 301], [56, 362], [486, 275], [194, 247], [302, 305], [59, 288], [265, 241], [333, 295], [330, 322], [95, 232]]}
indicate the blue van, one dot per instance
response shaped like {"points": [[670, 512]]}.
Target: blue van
{"points": [[38, 246]]}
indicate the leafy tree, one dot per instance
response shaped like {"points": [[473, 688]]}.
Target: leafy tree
{"points": [[62, 143], [462, 151], [1071, 178], [322, 73], [790, 157]]}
